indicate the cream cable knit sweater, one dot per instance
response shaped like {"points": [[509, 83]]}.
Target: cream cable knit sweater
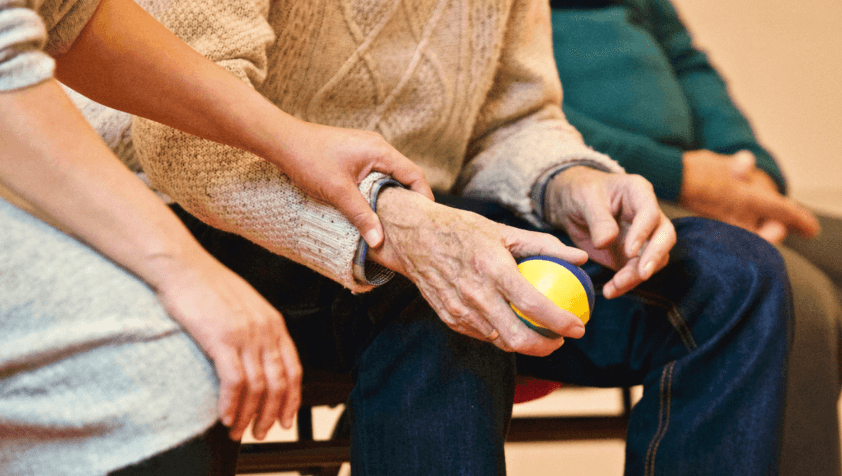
{"points": [[465, 88]]}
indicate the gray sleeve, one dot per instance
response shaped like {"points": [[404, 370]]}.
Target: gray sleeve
{"points": [[22, 38]]}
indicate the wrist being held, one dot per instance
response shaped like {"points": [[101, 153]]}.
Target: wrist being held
{"points": [[329, 163]]}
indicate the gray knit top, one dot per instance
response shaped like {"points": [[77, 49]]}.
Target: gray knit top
{"points": [[94, 375]]}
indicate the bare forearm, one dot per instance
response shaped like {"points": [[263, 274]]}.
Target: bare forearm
{"points": [[126, 60], [54, 161]]}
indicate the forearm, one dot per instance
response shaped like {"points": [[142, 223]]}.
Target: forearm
{"points": [[127, 60], [58, 165], [719, 124], [237, 192], [511, 161], [521, 134]]}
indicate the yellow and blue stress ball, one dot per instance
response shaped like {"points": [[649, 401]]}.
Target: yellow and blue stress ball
{"points": [[567, 285]]}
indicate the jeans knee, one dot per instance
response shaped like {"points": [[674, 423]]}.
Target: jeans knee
{"points": [[731, 252], [728, 273]]}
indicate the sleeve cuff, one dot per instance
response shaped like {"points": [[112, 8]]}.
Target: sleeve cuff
{"points": [[369, 272], [539, 189]]}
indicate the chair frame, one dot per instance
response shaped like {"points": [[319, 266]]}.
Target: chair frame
{"points": [[325, 457]]}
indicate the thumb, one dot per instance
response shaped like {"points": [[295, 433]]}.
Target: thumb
{"points": [[772, 231], [742, 163], [602, 226], [357, 210]]}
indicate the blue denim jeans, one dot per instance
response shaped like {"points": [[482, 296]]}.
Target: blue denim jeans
{"points": [[707, 337]]}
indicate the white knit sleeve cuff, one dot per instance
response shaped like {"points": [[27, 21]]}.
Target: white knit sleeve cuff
{"points": [[366, 271], [539, 189], [22, 37]]}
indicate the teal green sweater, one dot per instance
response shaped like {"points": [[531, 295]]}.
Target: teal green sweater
{"points": [[639, 91]]}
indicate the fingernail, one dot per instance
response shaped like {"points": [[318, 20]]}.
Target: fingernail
{"points": [[372, 237], [647, 270]]}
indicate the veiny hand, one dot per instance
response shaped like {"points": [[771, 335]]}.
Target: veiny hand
{"points": [[244, 336], [616, 219], [464, 265], [328, 164], [731, 189]]}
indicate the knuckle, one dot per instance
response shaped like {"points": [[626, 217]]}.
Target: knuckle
{"points": [[360, 217], [235, 332], [518, 340], [641, 181], [294, 375], [257, 383], [275, 388], [237, 383], [257, 386], [454, 306], [458, 312]]}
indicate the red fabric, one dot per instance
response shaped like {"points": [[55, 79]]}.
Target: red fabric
{"points": [[532, 389]]}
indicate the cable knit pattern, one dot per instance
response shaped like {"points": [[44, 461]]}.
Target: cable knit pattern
{"points": [[465, 88]]}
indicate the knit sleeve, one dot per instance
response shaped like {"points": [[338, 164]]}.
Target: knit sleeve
{"points": [[226, 187], [521, 132], [718, 123], [22, 38]]}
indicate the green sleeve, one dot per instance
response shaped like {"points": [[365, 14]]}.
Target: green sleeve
{"points": [[637, 153], [718, 124]]}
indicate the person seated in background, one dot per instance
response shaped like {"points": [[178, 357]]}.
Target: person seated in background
{"points": [[638, 90], [468, 91], [125, 348]]}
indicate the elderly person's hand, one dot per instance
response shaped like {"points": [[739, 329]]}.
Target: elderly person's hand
{"points": [[616, 219], [464, 265]]}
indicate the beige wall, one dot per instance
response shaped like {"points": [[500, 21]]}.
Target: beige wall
{"points": [[783, 64]]}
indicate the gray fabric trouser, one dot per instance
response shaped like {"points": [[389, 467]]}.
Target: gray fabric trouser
{"points": [[811, 442]]}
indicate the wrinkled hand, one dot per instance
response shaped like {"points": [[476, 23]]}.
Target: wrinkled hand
{"points": [[733, 190], [245, 337], [328, 164], [616, 219], [464, 266]]}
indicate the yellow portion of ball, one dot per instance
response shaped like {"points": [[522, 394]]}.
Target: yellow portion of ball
{"points": [[559, 284]]}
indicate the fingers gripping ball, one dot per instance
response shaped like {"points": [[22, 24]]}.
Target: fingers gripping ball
{"points": [[567, 285]]}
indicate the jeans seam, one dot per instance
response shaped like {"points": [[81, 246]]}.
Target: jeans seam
{"points": [[680, 325], [663, 418]]}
